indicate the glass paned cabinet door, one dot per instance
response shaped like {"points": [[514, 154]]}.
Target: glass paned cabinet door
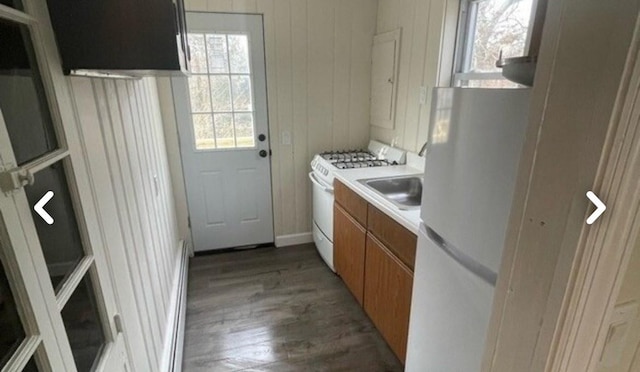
{"points": [[12, 333], [66, 304], [16, 4], [22, 99]]}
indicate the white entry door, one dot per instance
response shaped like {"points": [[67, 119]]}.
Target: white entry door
{"points": [[221, 111], [57, 307]]}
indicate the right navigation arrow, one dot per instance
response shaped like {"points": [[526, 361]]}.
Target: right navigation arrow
{"points": [[600, 207]]}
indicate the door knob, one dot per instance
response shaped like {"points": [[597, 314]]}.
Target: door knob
{"points": [[262, 137], [263, 153]]}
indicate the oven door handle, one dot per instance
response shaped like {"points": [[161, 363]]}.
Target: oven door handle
{"points": [[313, 179]]}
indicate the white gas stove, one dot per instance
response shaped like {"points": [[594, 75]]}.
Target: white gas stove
{"points": [[324, 166]]}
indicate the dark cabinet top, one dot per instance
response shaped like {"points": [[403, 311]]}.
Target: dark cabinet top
{"points": [[140, 36]]}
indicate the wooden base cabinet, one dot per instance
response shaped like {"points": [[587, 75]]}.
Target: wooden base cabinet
{"points": [[388, 284], [349, 251], [374, 255]]}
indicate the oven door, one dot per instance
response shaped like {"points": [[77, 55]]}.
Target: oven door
{"points": [[322, 205]]}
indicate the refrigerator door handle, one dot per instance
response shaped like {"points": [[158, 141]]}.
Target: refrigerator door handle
{"points": [[464, 260]]}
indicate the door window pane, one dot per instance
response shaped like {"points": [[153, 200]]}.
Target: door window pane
{"points": [[82, 322], [11, 331], [244, 130], [199, 88], [198, 54], [239, 54], [241, 86], [217, 54], [220, 93], [224, 130], [203, 129], [61, 242], [22, 99]]}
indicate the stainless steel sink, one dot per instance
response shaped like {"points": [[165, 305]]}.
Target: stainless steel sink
{"points": [[404, 192]]}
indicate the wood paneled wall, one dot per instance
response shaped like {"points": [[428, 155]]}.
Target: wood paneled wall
{"points": [[123, 143], [426, 59], [318, 56]]}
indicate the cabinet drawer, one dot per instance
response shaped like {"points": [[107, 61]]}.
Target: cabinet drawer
{"points": [[387, 295], [394, 236], [349, 250], [351, 202]]}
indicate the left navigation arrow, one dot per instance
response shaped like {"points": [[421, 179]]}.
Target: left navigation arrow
{"points": [[39, 207]]}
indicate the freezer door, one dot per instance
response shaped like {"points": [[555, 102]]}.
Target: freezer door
{"points": [[475, 140], [450, 311]]}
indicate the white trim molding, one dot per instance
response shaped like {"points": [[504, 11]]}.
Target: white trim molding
{"points": [[294, 239], [174, 341]]}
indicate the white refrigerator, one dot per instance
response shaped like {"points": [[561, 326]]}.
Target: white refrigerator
{"points": [[475, 140]]}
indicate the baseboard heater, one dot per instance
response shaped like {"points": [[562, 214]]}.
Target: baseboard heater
{"points": [[177, 344]]}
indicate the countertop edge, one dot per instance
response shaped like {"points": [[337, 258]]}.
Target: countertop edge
{"points": [[398, 215]]}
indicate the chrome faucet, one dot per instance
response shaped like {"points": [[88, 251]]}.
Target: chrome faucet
{"points": [[423, 150]]}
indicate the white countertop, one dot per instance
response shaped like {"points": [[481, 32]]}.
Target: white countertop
{"points": [[410, 218]]}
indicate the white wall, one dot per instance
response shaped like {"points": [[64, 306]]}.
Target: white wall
{"points": [[318, 55], [123, 144], [426, 57]]}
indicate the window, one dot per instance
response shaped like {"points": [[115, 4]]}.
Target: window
{"points": [[220, 89], [487, 28]]}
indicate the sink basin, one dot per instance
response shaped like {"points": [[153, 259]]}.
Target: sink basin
{"points": [[404, 192]]}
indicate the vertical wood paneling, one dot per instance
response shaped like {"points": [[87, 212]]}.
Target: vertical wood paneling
{"points": [[362, 33], [423, 60], [221, 5], [245, 6], [126, 101], [320, 23], [156, 209], [121, 129], [137, 141], [111, 234], [318, 60], [416, 74], [299, 52], [106, 140], [341, 71], [282, 39]]}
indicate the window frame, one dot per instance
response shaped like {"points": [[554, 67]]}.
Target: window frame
{"points": [[463, 51]]}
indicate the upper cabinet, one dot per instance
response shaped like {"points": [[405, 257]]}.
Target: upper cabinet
{"points": [[384, 77], [139, 37]]}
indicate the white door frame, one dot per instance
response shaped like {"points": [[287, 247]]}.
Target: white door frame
{"points": [[181, 101]]}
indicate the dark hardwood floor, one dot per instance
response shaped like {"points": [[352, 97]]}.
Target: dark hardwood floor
{"points": [[276, 309]]}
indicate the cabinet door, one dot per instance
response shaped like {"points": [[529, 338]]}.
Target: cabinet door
{"points": [[348, 251], [387, 295]]}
